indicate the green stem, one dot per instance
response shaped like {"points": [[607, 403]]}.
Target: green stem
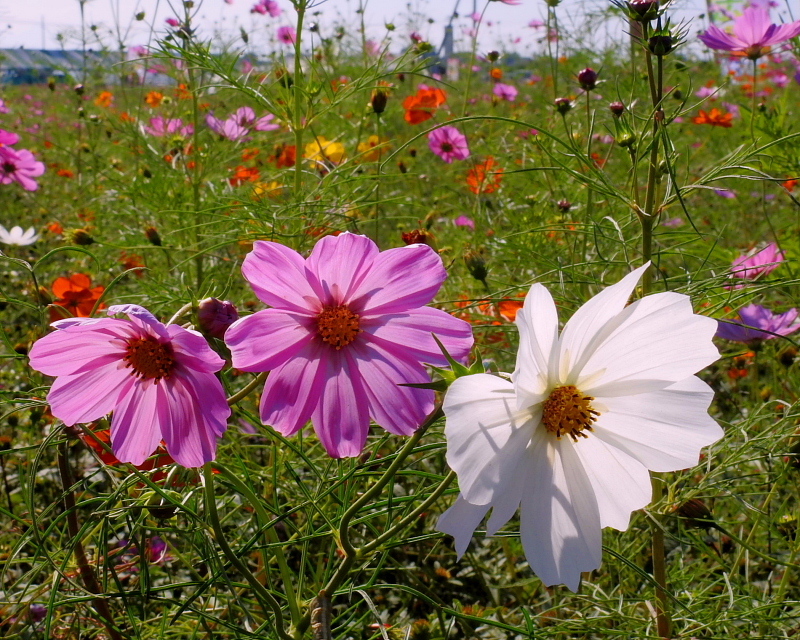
{"points": [[351, 553], [219, 535], [754, 103], [248, 388], [297, 94]]}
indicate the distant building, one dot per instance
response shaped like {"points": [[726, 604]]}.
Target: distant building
{"points": [[36, 66]]}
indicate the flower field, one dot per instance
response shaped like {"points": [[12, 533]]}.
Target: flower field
{"points": [[359, 339]]}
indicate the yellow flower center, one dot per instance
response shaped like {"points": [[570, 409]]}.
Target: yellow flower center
{"points": [[568, 411], [150, 358], [338, 326]]}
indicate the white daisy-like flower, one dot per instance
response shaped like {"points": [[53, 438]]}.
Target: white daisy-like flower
{"points": [[17, 236], [569, 440]]}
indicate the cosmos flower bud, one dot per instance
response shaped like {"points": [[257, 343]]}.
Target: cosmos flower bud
{"points": [[419, 236], [151, 233], [378, 100], [696, 514], [215, 316], [51, 83], [617, 109], [643, 10], [563, 105], [476, 266], [587, 79], [79, 89], [564, 205], [81, 237], [493, 56]]}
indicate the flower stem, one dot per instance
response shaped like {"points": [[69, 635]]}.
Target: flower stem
{"points": [[297, 94], [85, 569], [247, 389], [219, 535]]}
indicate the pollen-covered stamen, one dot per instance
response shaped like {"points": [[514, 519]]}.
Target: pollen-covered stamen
{"points": [[568, 411], [150, 358], [338, 326]]}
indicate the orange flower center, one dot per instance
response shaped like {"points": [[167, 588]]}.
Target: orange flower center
{"points": [[150, 358], [338, 326], [567, 410]]}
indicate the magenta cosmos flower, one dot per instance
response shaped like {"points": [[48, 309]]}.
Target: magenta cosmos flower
{"points": [[287, 35], [505, 91], [20, 166], [157, 380], [753, 264], [449, 144], [753, 32], [347, 328]]}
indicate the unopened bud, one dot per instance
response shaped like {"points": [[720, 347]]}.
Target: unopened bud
{"points": [[51, 83], [564, 205], [493, 56], [140, 16], [81, 237], [215, 316], [378, 100], [587, 79], [643, 10], [476, 266], [617, 109], [151, 233], [419, 236], [563, 105], [696, 514], [79, 89]]}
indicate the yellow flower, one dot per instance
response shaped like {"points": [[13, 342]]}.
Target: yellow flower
{"points": [[323, 151], [271, 190], [373, 148]]}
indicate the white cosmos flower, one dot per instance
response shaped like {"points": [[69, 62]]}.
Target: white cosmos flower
{"points": [[569, 440], [17, 236]]}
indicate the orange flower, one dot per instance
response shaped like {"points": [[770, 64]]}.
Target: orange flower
{"points": [[249, 154], [285, 156], [75, 295], [242, 175], [132, 261], [65, 173], [56, 228], [105, 99], [789, 185], [715, 118], [599, 161], [182, 92], [154, 98], [420, 107], [126, 117], [508, 308], [485, 177], [496, 73]]}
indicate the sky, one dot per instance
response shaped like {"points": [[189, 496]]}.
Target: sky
{"points": [[36, 24]]}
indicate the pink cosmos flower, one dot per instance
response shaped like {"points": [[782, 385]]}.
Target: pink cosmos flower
{"points": [[160, 127], [449, 144], [287, 35], [20, 166], [228, 128], [158, 380], [265, 7], [754, 264], [347, 328], [752, 33], [172, 22], [7, 138], [505, 91], [464, 221], [3, 107]]}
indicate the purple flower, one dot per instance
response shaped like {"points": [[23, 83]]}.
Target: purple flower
{"points": [[265, 7], [505, 91], [725, 193], [37, 612], [7, 138], [449, 144], [287, 35], [161, 127], [347, 328], [754, 264], [3, 107], [158, 380], [758, 323], [672, 222], [215, 316], [752, 33], [464, 221], [228, 128], [20, 166]]}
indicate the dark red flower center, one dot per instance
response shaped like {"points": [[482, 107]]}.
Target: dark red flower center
{"points": [[9, 167], [150, 358], [338, 326], [567, 410], [447, 147]]}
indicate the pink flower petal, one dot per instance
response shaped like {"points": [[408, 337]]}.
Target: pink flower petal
{"points": [[397, 409], [193, 351], [341, 419], [293, 390], [87, 396], [340, 264], [135, 426], [278, 277], [268, 339], [408, 335], [400, 279], [68, 351]]}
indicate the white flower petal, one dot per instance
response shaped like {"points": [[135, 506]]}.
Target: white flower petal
{"points": [[593, 318], [537, 322], [485, 433], [460, 521], [621, 484], [658, 339], [664, 430], [559, 519]]}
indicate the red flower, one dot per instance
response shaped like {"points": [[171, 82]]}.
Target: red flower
{"points": [[485, 177], [420, 107], [715, 118], [75, 295]]}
